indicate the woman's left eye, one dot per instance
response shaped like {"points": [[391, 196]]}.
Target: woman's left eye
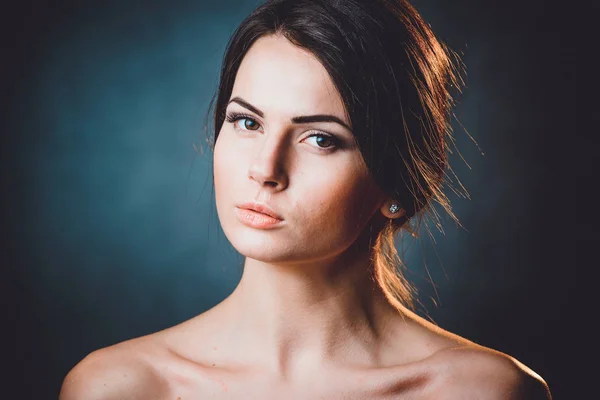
{"points": [[324, 141]]}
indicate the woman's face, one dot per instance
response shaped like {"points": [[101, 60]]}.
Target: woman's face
{"points": [[307, 170]]}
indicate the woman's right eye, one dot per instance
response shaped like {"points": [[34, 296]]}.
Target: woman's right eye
{"points": [[248, 123]]}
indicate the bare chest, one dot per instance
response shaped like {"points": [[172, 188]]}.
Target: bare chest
{"points": [[330, 386]]}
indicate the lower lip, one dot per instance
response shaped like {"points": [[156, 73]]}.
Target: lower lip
{"points": [[255, 219]]}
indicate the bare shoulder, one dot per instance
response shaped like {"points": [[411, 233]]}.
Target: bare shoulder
{"points": [[123, 371], [477, 372]]}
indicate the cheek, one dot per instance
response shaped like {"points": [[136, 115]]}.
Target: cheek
{"points": [[226, 166], [340, 201], [223, 175]]}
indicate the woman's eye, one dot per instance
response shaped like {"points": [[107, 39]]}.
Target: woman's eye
{"points": [[324, 141], [248, 124]]}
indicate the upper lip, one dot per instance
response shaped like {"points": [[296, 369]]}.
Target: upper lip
{"points": [[261, 208]]}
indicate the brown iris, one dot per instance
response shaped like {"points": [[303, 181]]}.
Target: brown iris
{"points": [[249, 124], [323, 141]]}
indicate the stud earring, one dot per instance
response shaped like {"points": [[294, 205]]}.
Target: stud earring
{"points": [[394, 208]]}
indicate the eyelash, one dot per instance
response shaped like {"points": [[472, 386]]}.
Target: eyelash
{"points": [[233, 117]]}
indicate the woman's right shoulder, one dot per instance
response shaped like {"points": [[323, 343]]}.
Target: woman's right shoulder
{"points": [[124, 370]]}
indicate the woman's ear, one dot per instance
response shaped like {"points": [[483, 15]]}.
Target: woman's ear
{"points": [[392, 209]]}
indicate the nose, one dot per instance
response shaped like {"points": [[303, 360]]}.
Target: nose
{"points": [[267, 167]]}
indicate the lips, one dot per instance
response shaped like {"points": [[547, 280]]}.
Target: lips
{"points": [[261, 208]]}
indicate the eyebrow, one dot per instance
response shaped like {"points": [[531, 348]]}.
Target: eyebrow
{"points": [[296, 120]]}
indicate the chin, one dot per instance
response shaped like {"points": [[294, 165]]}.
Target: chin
{"points": [[266, 255], [261, 245]]}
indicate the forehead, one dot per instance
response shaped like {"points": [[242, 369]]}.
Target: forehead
{"points": [[280, 78]]}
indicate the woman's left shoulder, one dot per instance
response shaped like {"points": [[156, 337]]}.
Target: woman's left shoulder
{"points": [[477, 372]]}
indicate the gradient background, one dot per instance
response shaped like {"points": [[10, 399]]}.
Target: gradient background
{"points": [[110, 230]]}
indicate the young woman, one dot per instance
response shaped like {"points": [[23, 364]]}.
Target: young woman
{"points": [[331, 132]]}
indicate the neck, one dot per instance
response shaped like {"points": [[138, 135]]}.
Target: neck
{"points": [[293, 317]]}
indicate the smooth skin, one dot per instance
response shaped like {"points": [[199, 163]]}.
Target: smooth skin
{"points": [[306, 321]]}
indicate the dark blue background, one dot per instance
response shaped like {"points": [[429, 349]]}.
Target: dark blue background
{"points": [[110, 230]]}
